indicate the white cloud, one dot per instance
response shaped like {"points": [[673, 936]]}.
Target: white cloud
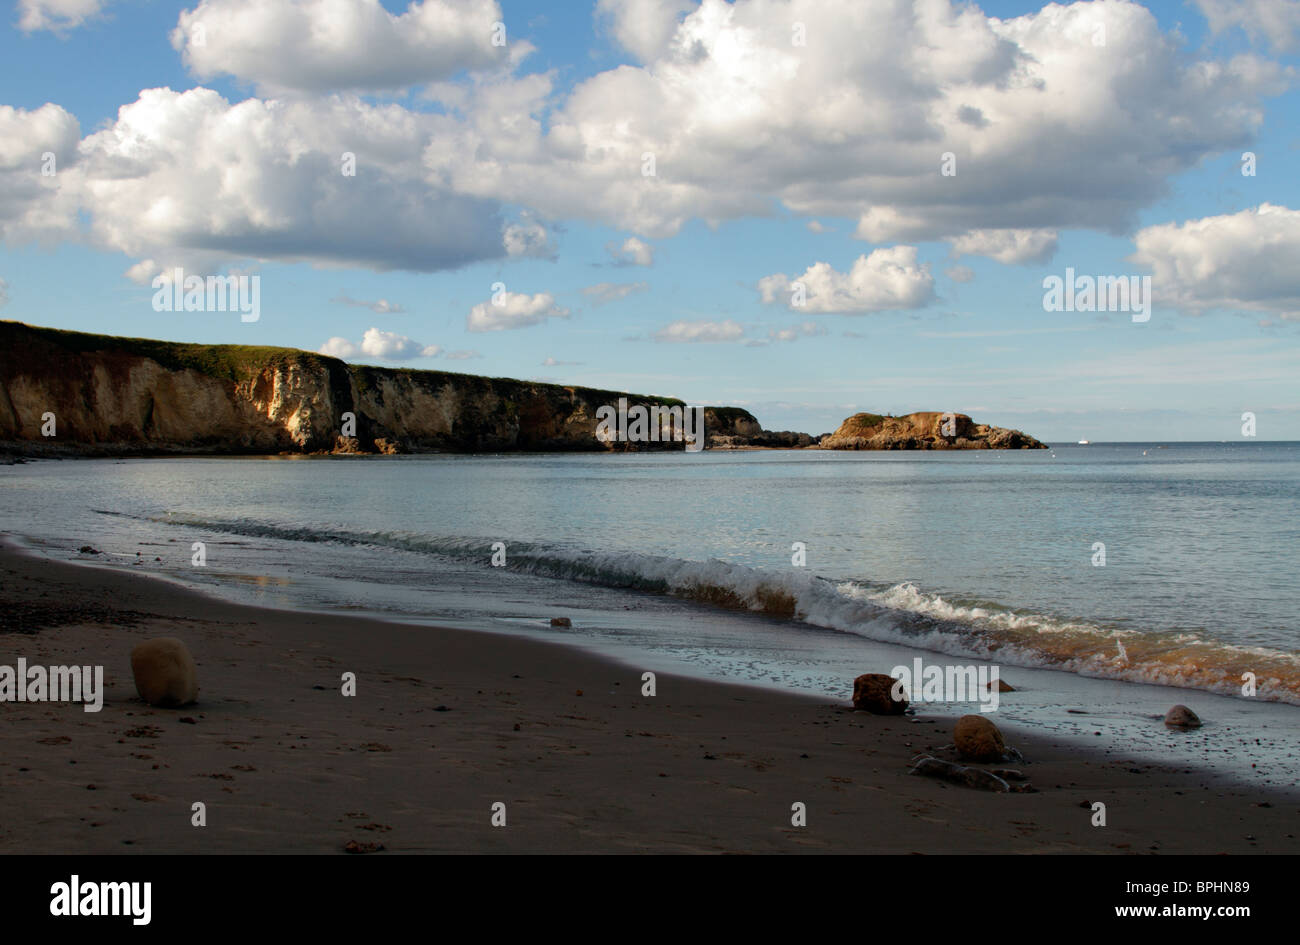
{"points": [[516, 310], [682, 331], [1245, 261], [326, 45], [189, 179], [643, 27], [377, 343], [888, 279], [56, 15], [632, 252], [379, 306], [605, 292], [4, 293], [960, 274], [394, 347], [1007, 246], [338, 347], [816, 226], [34, 205], [1049, 130], [803, 330], [1276, 22], [528, 239]]}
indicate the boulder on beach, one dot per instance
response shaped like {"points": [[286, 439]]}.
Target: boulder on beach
{"points": [[1003, 686], [165, 674], [561, 622], [1182, 717], [978, 739], [872, 693]]}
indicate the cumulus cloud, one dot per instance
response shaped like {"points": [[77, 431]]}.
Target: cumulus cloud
{"points": [[527, 239], [683, 331], [960, 274], [1244, 261], [37, 148], [642, 27], [554, 362], [1048, 130], [394, 347], [55, 15], [631, 252], [1276, 22], [189, 179], [338, 347], [1007, 246], [604, 292], [379, 306], [377, 343], [329, 45], [514, 310], [887, 279]]}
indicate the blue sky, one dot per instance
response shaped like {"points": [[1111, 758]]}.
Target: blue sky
{"points": [[1116, 158]]}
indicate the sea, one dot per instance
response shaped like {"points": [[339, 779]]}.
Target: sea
{"points": [[1106, 582]]}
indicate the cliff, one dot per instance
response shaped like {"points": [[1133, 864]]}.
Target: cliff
{"points": [[113, 396], [924, 431]]}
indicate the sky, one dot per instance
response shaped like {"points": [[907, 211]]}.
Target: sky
{"points": [[808, 208]]}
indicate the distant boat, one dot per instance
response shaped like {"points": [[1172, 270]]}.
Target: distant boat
{"points": [[1084, 442]]}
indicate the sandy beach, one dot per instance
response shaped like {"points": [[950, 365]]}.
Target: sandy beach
{"points": [[446, 723]]}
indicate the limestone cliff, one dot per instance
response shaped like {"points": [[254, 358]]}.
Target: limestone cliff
{"points": [[113, 396], [924, 431]]}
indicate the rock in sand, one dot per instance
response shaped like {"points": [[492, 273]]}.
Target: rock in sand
{"points": [[1182, 717], [165, 674], [872, 693], [978, 739]]}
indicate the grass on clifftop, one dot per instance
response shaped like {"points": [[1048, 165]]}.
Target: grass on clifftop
{"points": [[859, 423], [231, 362], [239, 362]]}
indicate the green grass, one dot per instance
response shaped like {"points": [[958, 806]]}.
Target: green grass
{"points": [[231, 362], [240, 362]]}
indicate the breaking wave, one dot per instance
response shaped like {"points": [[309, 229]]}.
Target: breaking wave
{"points": [[901, 613]]}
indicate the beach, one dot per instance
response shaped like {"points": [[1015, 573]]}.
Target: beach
{"points": [[447, 723]]}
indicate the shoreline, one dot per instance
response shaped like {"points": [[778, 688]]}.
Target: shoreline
{"points": [[447, 722], [23, 452], [13, 452]]}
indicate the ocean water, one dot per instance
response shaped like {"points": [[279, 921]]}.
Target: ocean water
{"points": [[684, 562]]}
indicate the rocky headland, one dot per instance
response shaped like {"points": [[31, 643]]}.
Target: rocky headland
{"points": [[131, 396], [927, 430], [77, 394]]}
